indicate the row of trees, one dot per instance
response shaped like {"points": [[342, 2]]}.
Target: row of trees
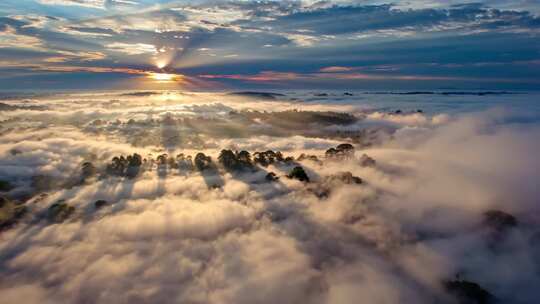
{"points": [[131, 165], [342, 151]]}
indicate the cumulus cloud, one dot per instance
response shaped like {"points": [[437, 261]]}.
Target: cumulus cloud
{"points": [[223, 236]]}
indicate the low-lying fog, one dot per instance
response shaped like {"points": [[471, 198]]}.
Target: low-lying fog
{"points": [[146, 197]]}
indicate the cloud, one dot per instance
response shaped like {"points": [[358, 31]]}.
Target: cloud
{"points": [[334, 69], [87, 3], [11, 39], [348, 74], [263, 76], [437, 42], [133, 49], [416, 220]]}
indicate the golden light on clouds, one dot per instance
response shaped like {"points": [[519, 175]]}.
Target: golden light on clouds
{"points": [[165, 77], [161, 64]]}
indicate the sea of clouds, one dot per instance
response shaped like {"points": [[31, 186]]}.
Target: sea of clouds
{"points": [[179, 236]]}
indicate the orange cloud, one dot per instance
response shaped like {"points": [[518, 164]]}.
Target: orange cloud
{"points": [[335, 69], [270, 76], [263, 76]]}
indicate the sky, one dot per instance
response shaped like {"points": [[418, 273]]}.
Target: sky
{"points": [[223, 45]]}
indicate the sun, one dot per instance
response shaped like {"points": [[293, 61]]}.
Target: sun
{"points": [[161, 64]]}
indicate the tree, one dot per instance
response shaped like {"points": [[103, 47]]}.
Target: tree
{"points": [[345, 177], [341, 151], [278, 156], [330, 153], [289, 159], [260, 158], [366, 161], [271, 177], [5, 186], [184, 162], [267, 157], [88, 170], [310, 157], [135, 160], [10, 213], [202, 161], [172, 163], [125, 166], [117, 166], [244, 158], [59, 211], [299, 174], [499, 221], [345, 149], [467, 292], [271, 156], [162, 159], [228, 159], [100, 203], [134, 163]]}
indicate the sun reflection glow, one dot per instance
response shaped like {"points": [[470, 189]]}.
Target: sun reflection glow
{"points": [[164, 77], [161, 64]]}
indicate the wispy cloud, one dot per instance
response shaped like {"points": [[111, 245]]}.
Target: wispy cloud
{"points": [[88, 3], [133, 49], [335, 69], [338, 74], [9, 38]]}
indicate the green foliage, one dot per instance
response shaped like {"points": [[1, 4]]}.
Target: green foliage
{"points": [[88, 169], [10, 212], [340, 152], [299, 174], [295, 119], [134, 160], [467, 292], [184, 162], [59, 212], [267, 158], [271, 177], [202, 162], [244, 157], [346, 178], [345, 147], [125, 166], [100, 203], [366, 161], [5, 186], [499, 220], [313, 158], [235, 160], [228, 159]]}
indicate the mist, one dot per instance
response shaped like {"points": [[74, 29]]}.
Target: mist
{"points": [[105, 199]]}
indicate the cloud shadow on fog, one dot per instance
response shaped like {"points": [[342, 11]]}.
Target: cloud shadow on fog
{"points": [[256, 180], [108, 191], [170, 134], [162, 172], [212, 177], [330, 246]]}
